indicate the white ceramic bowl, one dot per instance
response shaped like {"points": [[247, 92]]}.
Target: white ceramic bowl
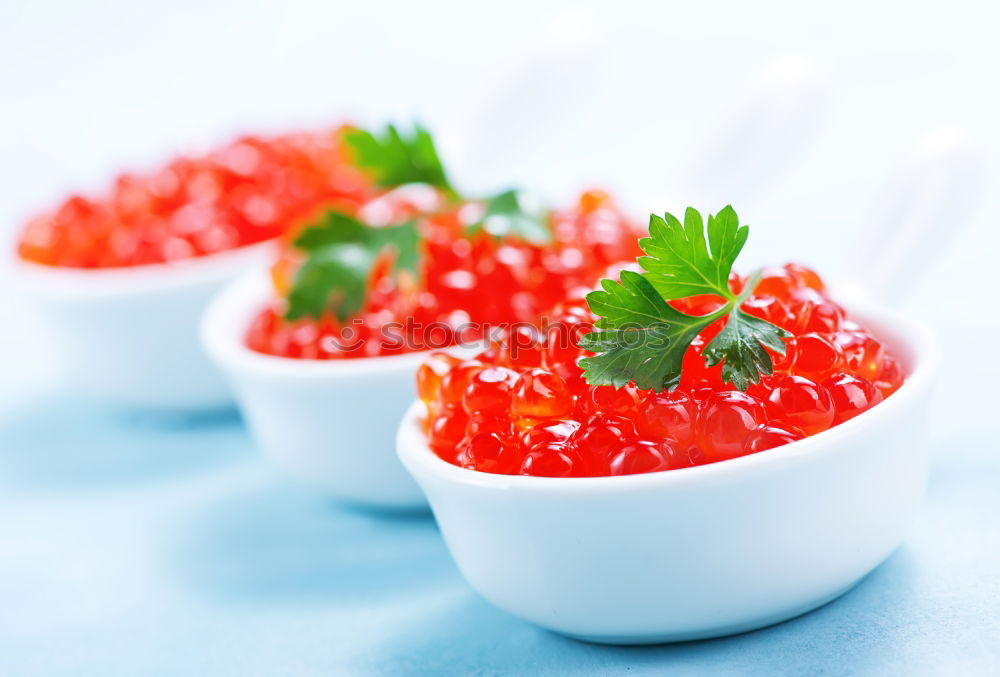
{"points": [[698, 552], [331, 424], [129, 336]]}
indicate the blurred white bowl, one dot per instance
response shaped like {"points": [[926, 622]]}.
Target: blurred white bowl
{"points": [[698, 552], [331, 424], [129, 336]]}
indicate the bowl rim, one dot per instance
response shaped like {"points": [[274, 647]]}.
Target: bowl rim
{"points": [[124, 281], [227, 317], [416, 455]]}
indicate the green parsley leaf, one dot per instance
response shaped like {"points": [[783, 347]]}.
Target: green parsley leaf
{"points": [[395, 160], [341, 252], [679, 261], [740, 348], [505, 215], [640, 338]]}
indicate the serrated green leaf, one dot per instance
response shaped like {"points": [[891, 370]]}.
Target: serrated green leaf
{"points": [[340, 253], [506, 216], [680, 262], [332, 227], [333, 277], [395, 160], [630, 302], [740, 347], [640, 338]]}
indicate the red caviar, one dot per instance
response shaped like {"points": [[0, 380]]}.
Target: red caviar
{"points": [[468, 279], [246, 192], [546, 420]]}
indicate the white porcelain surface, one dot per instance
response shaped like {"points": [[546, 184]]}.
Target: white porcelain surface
{"points": [[697, 552], [129, 336], [331, 424]]}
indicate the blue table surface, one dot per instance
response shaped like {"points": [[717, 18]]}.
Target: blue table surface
{"points": [[141, 546]]}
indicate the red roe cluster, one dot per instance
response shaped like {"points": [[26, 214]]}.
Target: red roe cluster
{"points": [[240, 194], [523, 407], [468, 278]]}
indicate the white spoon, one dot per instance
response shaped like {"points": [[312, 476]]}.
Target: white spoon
{"points": [[771, 126], [927, 203]]}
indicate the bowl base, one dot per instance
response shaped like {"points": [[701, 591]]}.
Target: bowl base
{"points": [[712, 632]]}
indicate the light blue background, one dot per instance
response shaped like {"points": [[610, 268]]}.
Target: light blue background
{"points": [[139, 547], [131, 546]]}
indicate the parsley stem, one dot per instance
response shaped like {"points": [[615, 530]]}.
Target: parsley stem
{"points": [[734, 301], [748, 287], [683, 259]]}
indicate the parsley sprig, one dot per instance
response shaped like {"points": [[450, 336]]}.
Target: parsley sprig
{"points": [[341, 251], [394, 159], [641, 338], [340, 254]]}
